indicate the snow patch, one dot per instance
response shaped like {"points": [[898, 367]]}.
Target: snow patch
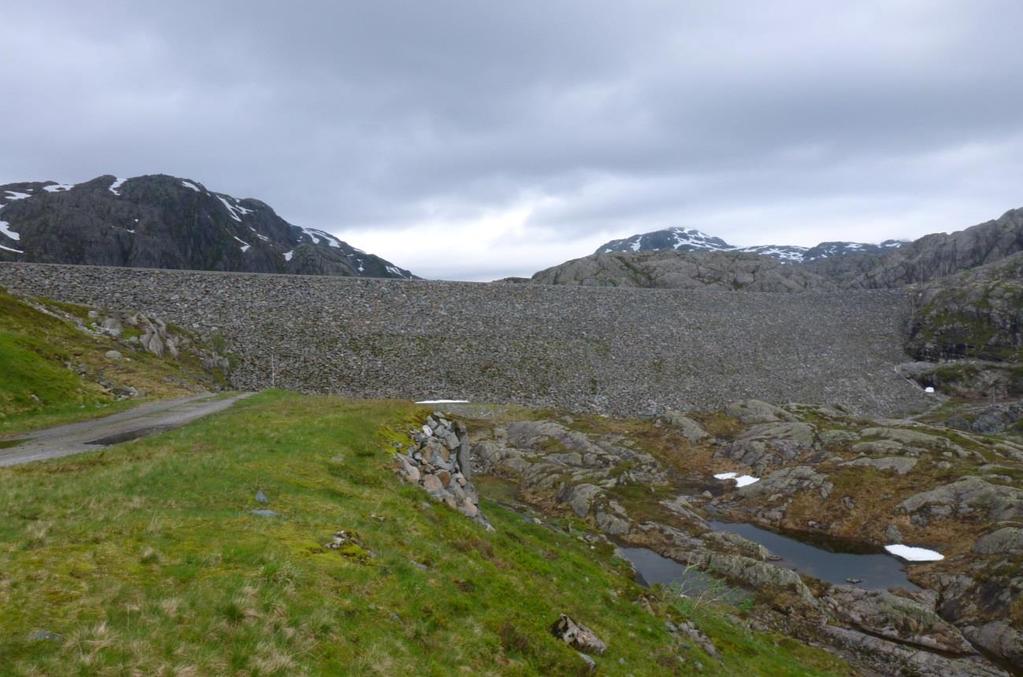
{"points": [[740, 480], [230, 210], [115, 185], [15, 195], [443, 402], [316, 235], [244, 245], [58, 187], [11, 249], [191, 186], [929, 389], [288, 255], [911, 554], [5, 228]]}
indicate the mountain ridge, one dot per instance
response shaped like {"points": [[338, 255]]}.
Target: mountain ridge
{"points": [[162, 221], [690, 239], [884, 266]]}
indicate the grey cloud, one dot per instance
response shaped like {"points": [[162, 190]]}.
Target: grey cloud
{"points": [[793, 118]]}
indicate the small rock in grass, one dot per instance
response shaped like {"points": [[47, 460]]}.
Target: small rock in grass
{"points": [[577, 636], [263, 512], [113, 355], [261, 497], [45, 636]]}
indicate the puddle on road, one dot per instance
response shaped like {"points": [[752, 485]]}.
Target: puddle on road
{"points": [[7, 444], [128, 435]]}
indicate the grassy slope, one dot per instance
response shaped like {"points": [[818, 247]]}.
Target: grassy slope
{"points": [[37, 388], [144, 557]]}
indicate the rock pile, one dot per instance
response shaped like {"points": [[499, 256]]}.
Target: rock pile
{"points": [[438, 461]]}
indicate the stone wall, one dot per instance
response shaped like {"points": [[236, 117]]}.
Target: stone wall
{"points": [[622, 351]]}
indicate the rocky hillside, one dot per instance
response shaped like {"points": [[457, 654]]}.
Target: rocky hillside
{"points": [[692, 240], [975, 314], [679, 258], [165, 222], [690, 486], [729, 270]]}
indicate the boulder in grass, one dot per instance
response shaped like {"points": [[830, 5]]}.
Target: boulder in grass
{"points": [[577, 636]]}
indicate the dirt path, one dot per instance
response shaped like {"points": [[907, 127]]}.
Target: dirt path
{"points": [[147, 419]]}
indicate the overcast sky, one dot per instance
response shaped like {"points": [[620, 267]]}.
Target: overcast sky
{"points": [[476, 140]]}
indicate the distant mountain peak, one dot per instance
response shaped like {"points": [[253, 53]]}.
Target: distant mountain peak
{"points": [[691, 239], [679, 239], [161, 221]]}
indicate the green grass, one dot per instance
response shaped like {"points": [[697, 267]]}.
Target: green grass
{"points": [[51, 371], [145, 559]]}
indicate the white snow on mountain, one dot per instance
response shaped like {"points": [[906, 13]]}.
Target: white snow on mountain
{"points": [[690, 239], [784, 253], [316, 235], [5, 228], [191, 186], [115, 185], [58, 187]]}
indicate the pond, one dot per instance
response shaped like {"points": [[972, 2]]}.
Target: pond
{"points": [[654, 569], [873, 570]]}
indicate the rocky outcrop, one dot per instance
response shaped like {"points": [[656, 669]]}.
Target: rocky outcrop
{"points": [[1004, 541], [435, 463], [703, 261], [896, 618], [764, 446], [164, 222], [977, 314], [889, 658], [690, 429], [967, 498], [684, 270], [573, 468], [757, 411]]}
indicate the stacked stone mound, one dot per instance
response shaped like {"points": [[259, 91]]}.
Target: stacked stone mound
{"points": [[438, 461]]}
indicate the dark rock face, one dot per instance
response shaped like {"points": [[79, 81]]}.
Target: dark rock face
{"points": [[978, 314], [164, 222]]}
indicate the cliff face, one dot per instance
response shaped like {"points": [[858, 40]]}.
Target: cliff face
{"points": [[976, 314], [165, 222]]}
